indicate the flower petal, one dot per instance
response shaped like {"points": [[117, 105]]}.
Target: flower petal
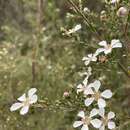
{"points": [[111, 125], [80, 88], [94, 58], [81, 114], [90, 55], [102, 127], [106, 94], [85, 58], [88, 91], [111, 115], [96, 85], [116, 43], [102, 112], [77, 124], [87, 62], [22, 98], [101, 103], [32, 91], [98, 51], [107, 51], [85, 81], [94, 112], [85, 127], [16, 106], [96, 123], [89, 101], [33, 99], [24, 110], [103, 43]]}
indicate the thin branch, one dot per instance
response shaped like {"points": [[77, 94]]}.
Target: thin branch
{"points": [[124, 69], [85, 18]]}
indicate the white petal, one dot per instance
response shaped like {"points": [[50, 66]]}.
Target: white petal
{"points": [[111, 115], [96, 85], [107, 51], [103, 43], [106, 94], [87, 62], [81, 114], [102, 127], [102, 112], [96, 123], [98, 51], [111, 125], [85, 127], [32, 91], [22, 98], [77, 124], [77, 27], [33, 99], [94, 112], [90, 55], [24, 110], [16, 106], [80, 88], [94, 58], [85, 58], [85, 82], [116, 44], [89, 101], [101, 103], [88, 91]]}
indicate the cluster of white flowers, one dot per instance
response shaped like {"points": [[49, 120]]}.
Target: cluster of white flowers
{"points": [[105, 48], [97, 117]]}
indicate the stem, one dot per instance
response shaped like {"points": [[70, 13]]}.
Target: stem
{"points": [[121, 126], [124, 69], [36, 46], [126, 25], [85, 18]]}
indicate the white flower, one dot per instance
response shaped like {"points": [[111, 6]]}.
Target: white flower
{"points": [[107, 120], [25, 101], [84, 86], [95, 95], [89, 58], [87, 120], [107, 48], [114, 1], [75, 29]]}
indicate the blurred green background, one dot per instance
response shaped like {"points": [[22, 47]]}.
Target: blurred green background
{"points": [[34, 53]]}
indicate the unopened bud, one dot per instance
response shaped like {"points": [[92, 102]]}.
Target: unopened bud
{"points": [[103, 15], [86, 10], [66, 94], [122, 12]]}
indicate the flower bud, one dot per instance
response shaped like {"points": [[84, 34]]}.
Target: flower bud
{"points": [[103, 15], [122, 12], [86, 10], [66, 94]]}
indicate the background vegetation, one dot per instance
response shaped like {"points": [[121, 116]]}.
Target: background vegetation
{"points": [[35, 53]]}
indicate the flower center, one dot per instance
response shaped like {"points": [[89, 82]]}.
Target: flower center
{"points": [[97, 95], [86, 120], [105, 121], [26, 103], [108, 47]]}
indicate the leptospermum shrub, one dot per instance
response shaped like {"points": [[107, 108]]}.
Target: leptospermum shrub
{"points": [[107, 41]]}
